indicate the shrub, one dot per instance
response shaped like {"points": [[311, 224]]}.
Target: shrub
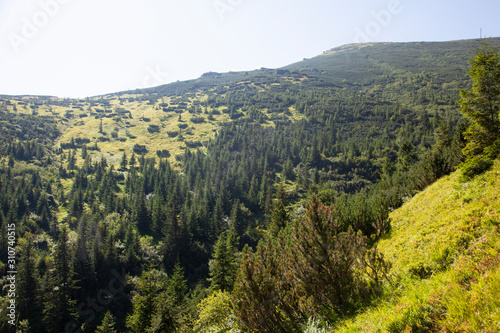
{"points": [[153, 128], [172, 134], [313, 267], [193, 144], [140, 149], [475, 166], [215, 313], [163, 153], [197, 120]]}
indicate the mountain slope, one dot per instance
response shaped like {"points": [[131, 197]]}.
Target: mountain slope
{"points": [[365, 87], [445, 253], [363, 128]]}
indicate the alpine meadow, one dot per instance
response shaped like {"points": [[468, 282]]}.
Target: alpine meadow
{"points": [[354, 191]]}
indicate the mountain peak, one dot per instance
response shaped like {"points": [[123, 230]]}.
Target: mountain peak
{"points": [[349, 47]]}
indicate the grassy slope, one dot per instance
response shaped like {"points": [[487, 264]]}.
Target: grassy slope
{"points": [[445, 253], [87, 127], [133, 130]]}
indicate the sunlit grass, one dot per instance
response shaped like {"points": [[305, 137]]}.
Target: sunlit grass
{"points": [[445, 251]]}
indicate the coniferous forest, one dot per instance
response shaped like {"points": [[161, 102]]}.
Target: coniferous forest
{"points": [[237, 202]]}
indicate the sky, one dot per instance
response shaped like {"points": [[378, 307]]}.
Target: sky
{"points": [[83, 48]]}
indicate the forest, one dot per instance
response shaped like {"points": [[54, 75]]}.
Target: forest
{"points": [[237, 202]]}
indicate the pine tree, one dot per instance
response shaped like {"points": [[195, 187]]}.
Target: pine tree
{"points": [[84, 152], [406, 155], [107, 324], [72, 160], [481, 105], [223, 266], [177, 285], [288, 169], [279, 215], [157, 215], [235, 217], [60, 305], [218, 217], [28, 296], [132, 161], [172, 231], [141, 214], [123, 162], [314, 157], [143, 302], [170, 304]]}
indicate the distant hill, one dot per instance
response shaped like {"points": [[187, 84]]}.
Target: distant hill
{"points": [[364, 85], [357, 63]]}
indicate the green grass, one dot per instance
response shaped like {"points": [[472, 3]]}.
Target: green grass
{"points": [[132, 130], [445, 252]]}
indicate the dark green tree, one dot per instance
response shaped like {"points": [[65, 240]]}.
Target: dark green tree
{"points": [[124, 162], [406, 155], [140, 214], [314, 157], [60, 304], [280, 214], [28, 294], [177, 285], [223, 265], [481, 105], [84, 152], [132, 161], [107, 324], [288, 169], [143, 301], [170, 303]]}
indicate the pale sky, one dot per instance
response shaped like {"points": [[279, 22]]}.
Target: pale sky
{"points": [[80, 48]]}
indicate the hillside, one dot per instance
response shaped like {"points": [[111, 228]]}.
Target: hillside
{"points": [[444, 249], [413, 79], [369, 91], [214, 202]]}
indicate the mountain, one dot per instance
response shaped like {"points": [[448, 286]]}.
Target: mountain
{"points": [[414, 79], [191, 188]]}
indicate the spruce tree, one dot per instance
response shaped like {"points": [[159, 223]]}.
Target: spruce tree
{"points": [[132, 161], [141, 214], [123, 162], [107, 324], [60, 305], [143, 302], [177, 285], [223, 266], [406, 155], [28, 296], [481, 105], [279, 215], [170, 303]]}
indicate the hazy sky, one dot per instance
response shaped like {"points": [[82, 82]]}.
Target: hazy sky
{"points": [[79, 48]]}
